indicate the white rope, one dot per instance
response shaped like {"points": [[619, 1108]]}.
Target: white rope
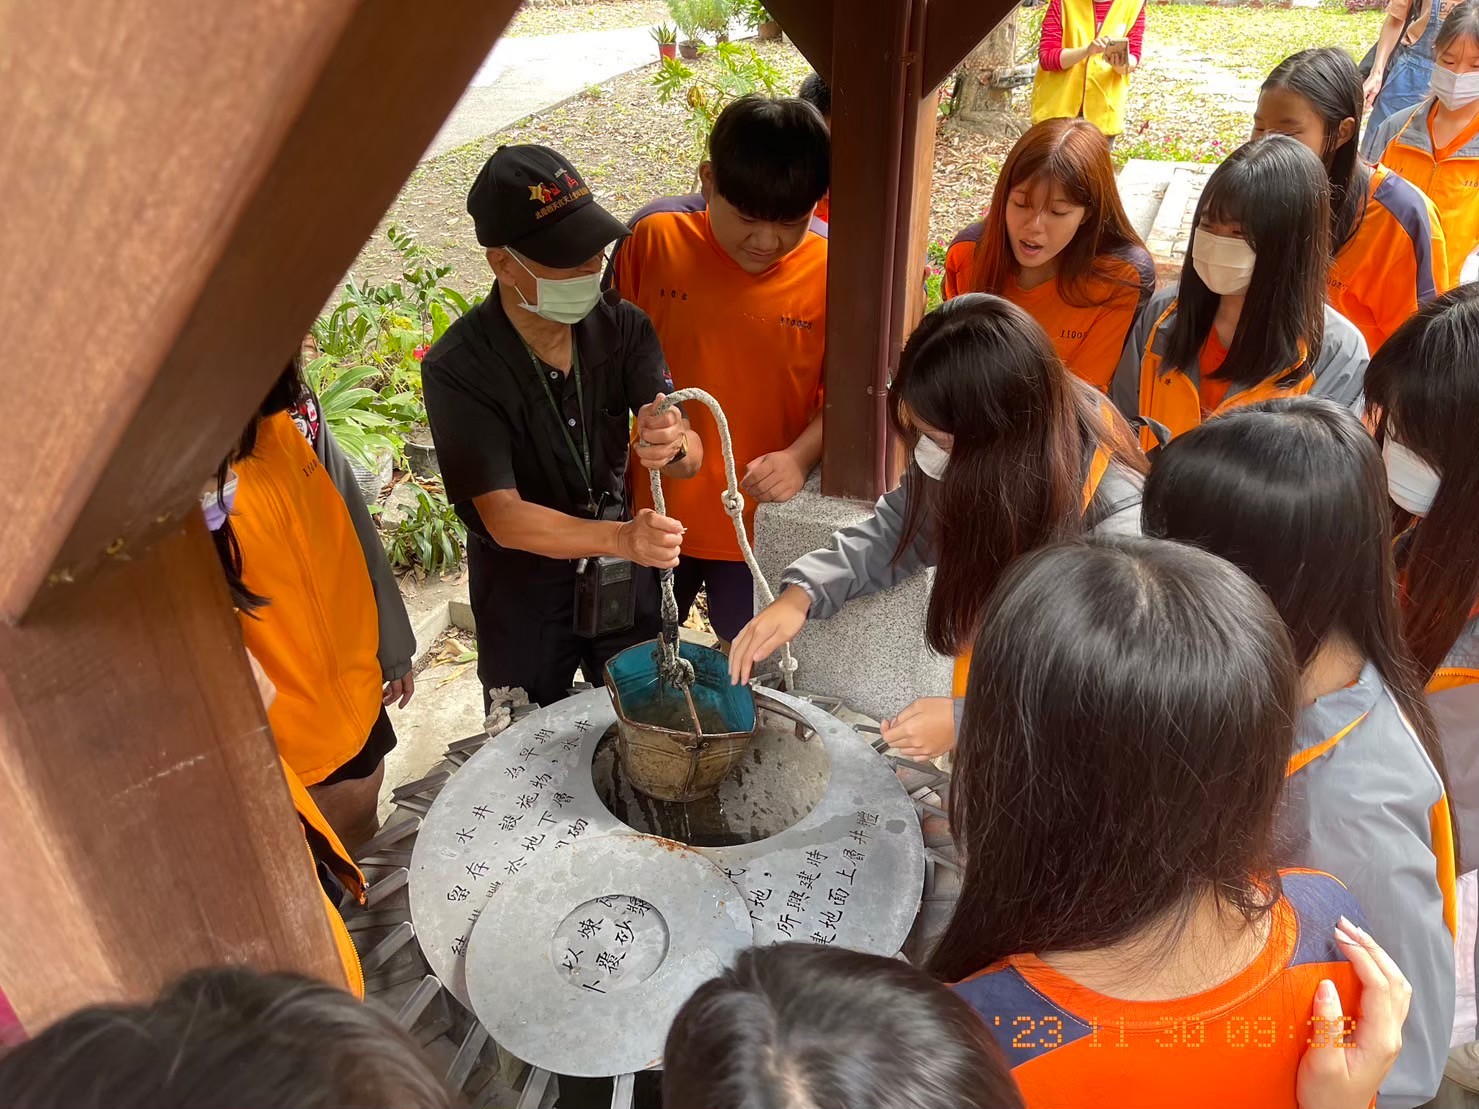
{"points": [[734, 504]]}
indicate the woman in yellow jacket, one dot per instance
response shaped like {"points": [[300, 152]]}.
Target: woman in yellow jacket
{"points": [[318, 605], [1390, 254], [1085, 56], [1435, 145], [1248, 321]]}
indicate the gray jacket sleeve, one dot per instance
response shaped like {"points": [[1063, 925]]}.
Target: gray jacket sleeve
{"points": [[397, 640], [1124, 387], [1340, 374], [860, 558]]}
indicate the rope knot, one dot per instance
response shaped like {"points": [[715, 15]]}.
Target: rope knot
{"points": [[733, 503]]}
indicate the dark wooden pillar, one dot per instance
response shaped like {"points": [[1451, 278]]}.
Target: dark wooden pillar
{"points": [[884, 60], [184, 183]]}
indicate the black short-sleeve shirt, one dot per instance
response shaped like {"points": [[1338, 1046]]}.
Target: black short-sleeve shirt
{"points": [[493, 424]]}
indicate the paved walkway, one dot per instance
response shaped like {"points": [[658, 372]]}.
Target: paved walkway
{"points": [[528, 73]]}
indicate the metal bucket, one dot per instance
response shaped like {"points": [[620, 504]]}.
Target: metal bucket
{"points": [[665, 752]]}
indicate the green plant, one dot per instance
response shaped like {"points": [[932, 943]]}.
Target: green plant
{"points": [[688, 15], [428, 541], [714, 16], [741, 70], [665, 34], [751, 13], [361, 420]]}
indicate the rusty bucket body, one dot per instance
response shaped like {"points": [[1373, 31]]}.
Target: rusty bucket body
{"points": [[670, 747]]}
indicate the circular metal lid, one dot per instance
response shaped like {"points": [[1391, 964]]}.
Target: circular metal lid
{"points": [[850, 872], [580, 963]]}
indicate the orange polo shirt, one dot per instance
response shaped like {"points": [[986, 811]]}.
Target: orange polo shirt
{"points": [[1230, 1047], [755, 342], [1089, 339], [1396, 261]]}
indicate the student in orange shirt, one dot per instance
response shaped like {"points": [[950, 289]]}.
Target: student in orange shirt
{"points": [[1293, 493], [1390, 254], [1422, 398], [1056, 242], [1435, 144], [798, 1024], [735, 282], [1122, 925], [1011, 452], [1249, 319], [317, 604]]}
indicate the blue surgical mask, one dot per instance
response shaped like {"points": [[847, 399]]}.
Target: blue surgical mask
{"points": [[217, 504]]}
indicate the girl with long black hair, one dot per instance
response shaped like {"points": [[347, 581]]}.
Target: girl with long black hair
{"points": [[1249, 319], [1387, 242], [1011, 452], [1122, 926], [1293, 493]]}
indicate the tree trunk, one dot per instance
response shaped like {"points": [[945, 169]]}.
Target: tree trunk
{"points": [[980, 107]]}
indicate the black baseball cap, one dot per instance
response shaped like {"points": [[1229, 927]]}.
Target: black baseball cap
{"points": [[531, 199]]}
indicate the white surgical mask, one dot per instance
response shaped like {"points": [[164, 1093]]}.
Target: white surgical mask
{"points": [[562, 300], [1455, 90], [932, 457], [1224, 264], [1412, 483]]}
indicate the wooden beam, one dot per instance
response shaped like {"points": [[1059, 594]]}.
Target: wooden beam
{"points": [[869, 112], [809, 25], [144, 821], [184, 184], [953, 28]]}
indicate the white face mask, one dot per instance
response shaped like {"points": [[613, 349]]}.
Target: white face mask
{"points": [[932, 457], [562, 300], [1412, 483], [1224, 264], [1455, 90]]}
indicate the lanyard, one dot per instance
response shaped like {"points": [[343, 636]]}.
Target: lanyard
{"points": [[583, 456]]}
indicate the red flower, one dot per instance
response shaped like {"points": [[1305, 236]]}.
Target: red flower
{"points": [[420, 352]]}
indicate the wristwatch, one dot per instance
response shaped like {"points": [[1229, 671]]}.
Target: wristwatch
{"points": [[682, 451]]}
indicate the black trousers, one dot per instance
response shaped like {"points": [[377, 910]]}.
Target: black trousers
{"points": [[524, 608]]}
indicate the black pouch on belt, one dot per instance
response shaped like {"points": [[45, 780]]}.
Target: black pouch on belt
{"points": [[605, 589]]}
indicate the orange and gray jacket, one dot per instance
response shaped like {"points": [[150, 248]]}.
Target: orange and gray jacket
{"points": [[1144, 388], [319, 639], [1404, 144], [1362, 801], [859, 560]]}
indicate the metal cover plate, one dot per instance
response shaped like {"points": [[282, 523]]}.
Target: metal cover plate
{"points": [[580, 967], [850, 872]]}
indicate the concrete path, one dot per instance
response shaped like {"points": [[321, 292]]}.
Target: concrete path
{"points": [[528, 73]]}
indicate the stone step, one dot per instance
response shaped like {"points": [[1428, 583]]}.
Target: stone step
{"points": [[1142, 185], [1170, 230]]}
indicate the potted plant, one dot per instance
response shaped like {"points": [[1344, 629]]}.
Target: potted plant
{"points": [[714, 16], [754, 16], [687, 14], [666, 37]]}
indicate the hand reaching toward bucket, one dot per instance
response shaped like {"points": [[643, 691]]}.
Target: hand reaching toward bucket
{"points": [[924, 730], [777, 623]]}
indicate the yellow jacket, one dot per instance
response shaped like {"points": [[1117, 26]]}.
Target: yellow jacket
{"points": [[1093, 88]]}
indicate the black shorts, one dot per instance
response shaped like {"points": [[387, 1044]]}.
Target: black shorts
{"points": [[380, 743]]}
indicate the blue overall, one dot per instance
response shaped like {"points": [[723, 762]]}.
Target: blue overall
{"points": [[1409, 81]]}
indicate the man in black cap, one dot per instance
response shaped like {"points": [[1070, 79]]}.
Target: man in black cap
{"points": [[529, 397]]}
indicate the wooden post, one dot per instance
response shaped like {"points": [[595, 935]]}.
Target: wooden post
{"points": [[183, 183], [887, 59]]}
